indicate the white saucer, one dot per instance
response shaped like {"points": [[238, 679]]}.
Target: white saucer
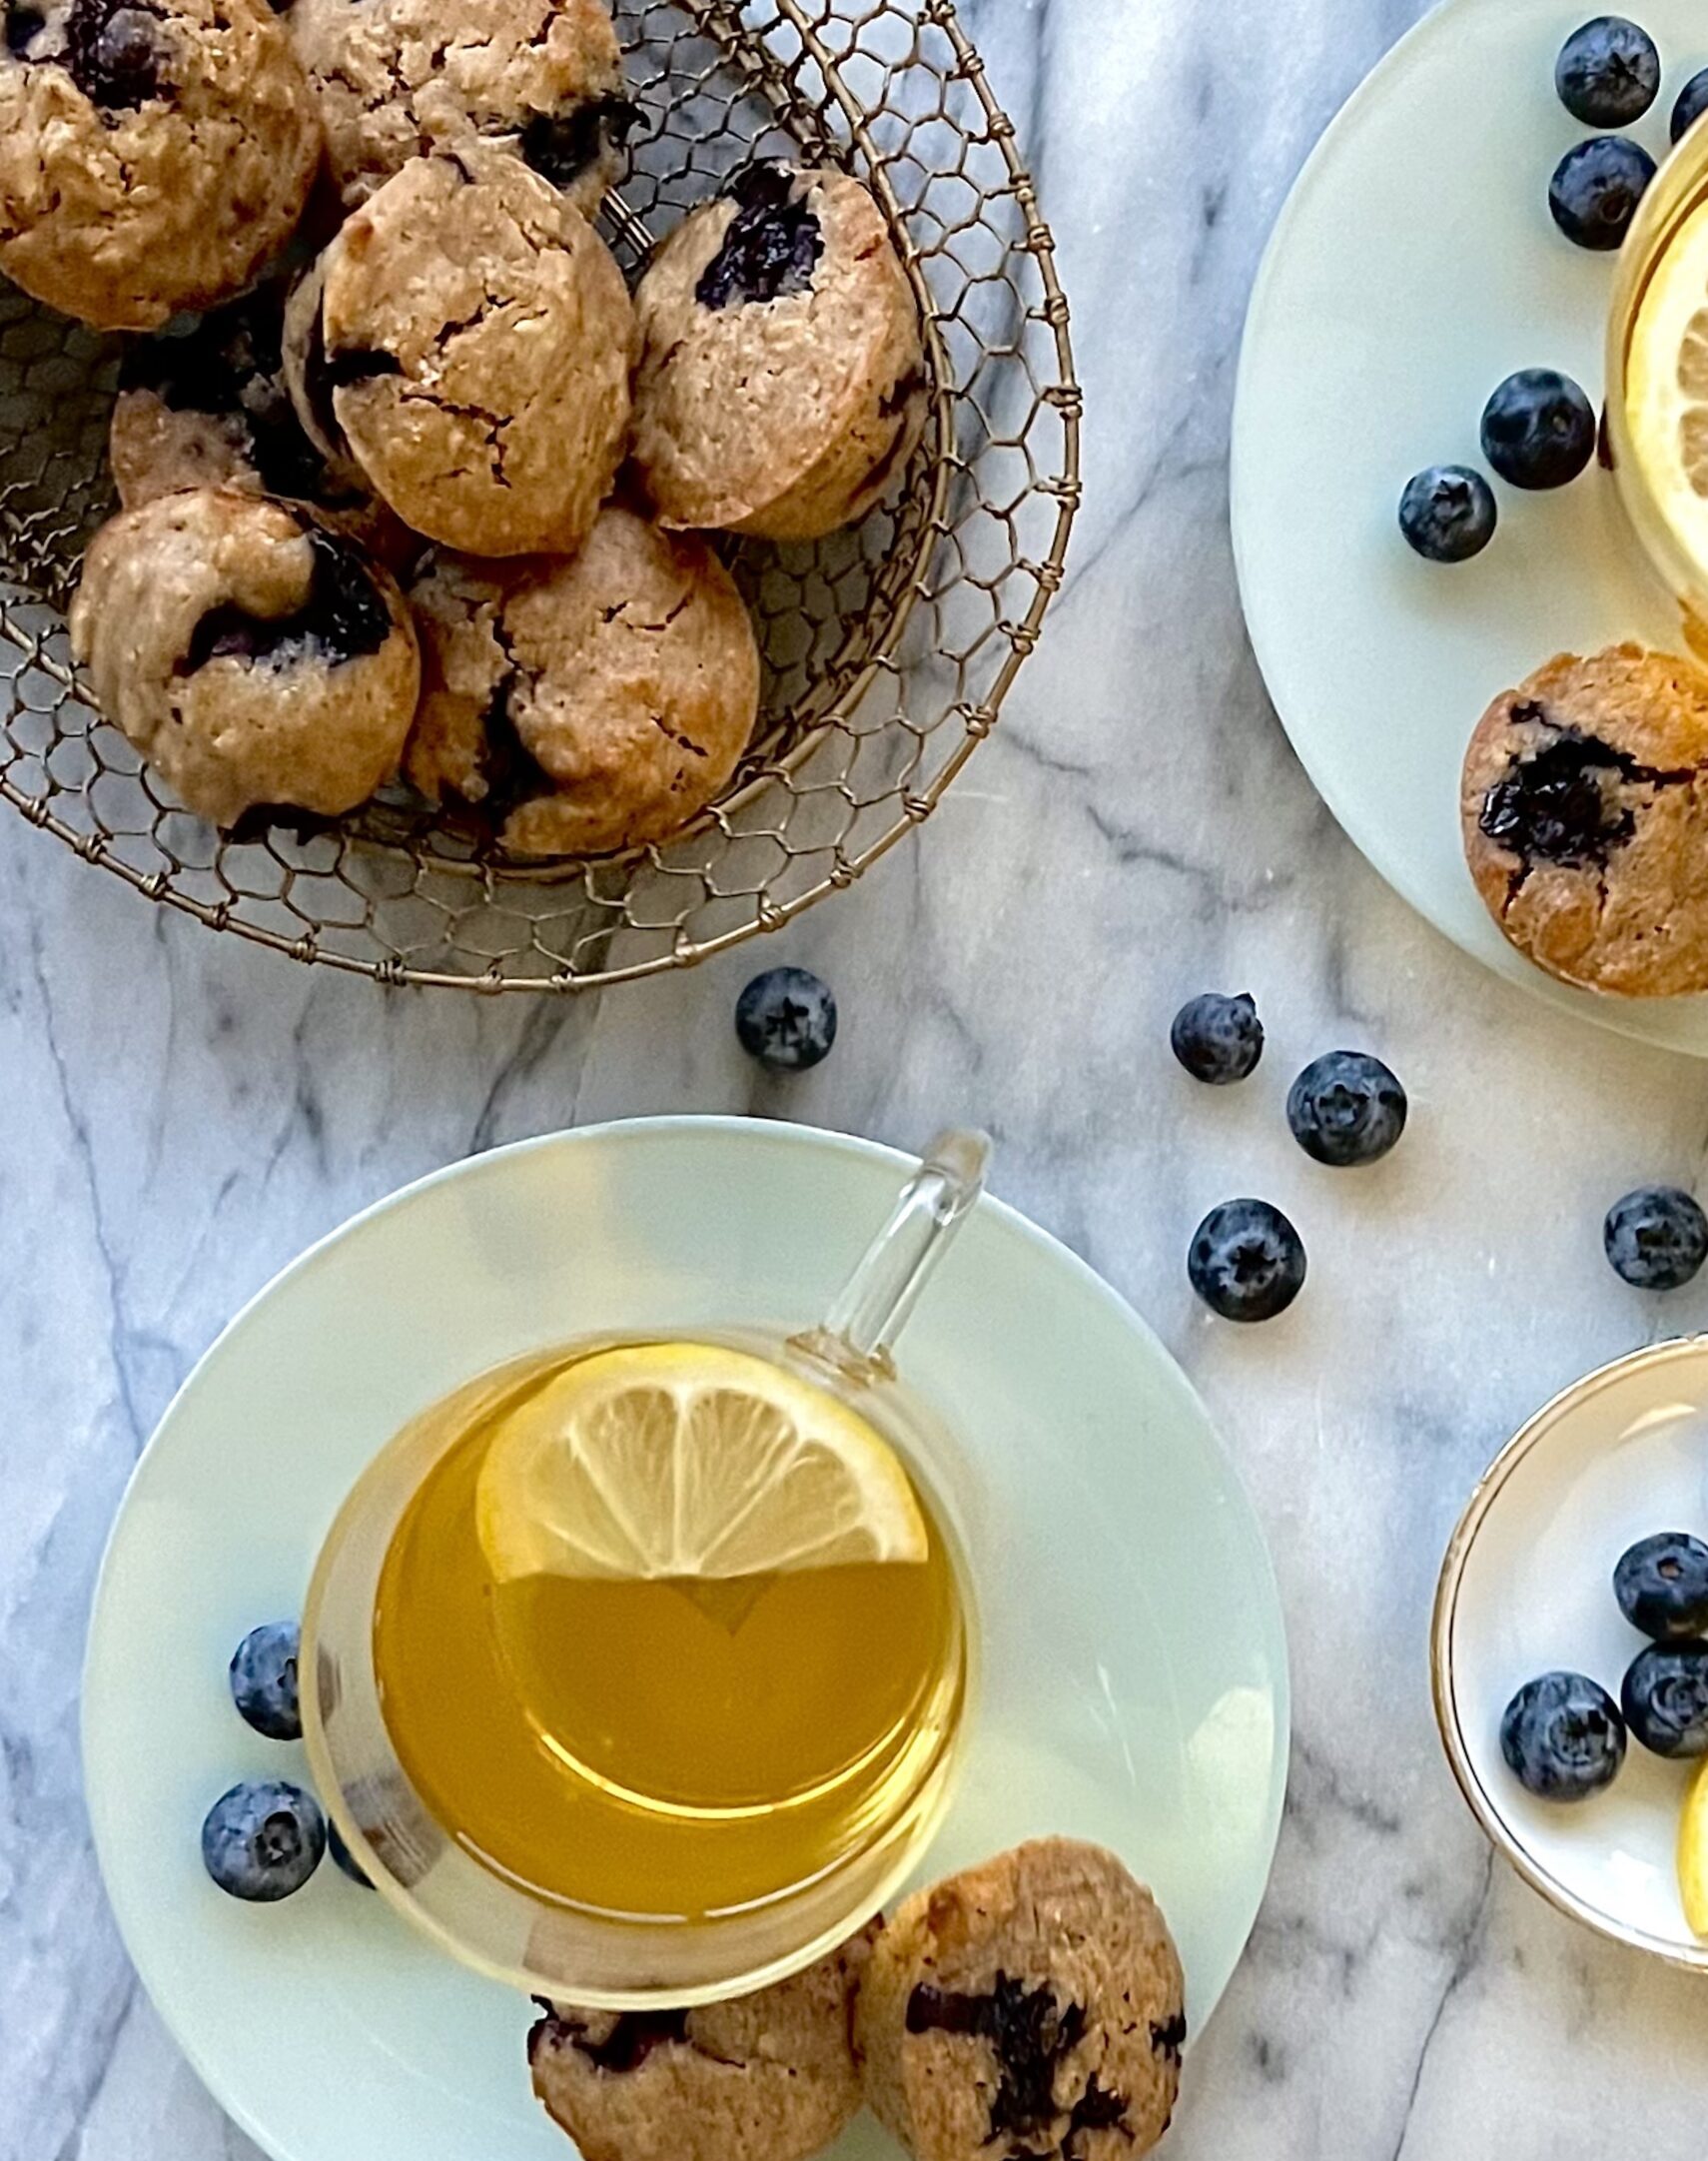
{"points": [[1414, 267], [1136, 1679], [1527, 1587]]}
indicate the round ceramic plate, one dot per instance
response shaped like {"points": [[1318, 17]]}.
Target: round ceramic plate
{"points": [[1414, 268], [1109, 1709], [1528, 1585]]}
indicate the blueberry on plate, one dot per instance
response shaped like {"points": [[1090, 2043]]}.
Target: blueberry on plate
{"points": [[1563, 1737], [1596, 189], [262, 1841], [1692, 104], [1447, 513], [1245, 1261], [1662, 1586], [1347, 1109], [786, 1018], [1665, 1698], [346, 1860], [1656, 1237], [1217, 1039], [1538, 429], [264, 1680], [1608, 73]]}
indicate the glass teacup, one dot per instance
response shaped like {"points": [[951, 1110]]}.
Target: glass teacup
{"points": [[602, 1772]]}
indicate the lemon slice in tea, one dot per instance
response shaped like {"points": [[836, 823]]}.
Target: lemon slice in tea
{"points": [[689, 1460], [1666, 386], [1693, 1852]]}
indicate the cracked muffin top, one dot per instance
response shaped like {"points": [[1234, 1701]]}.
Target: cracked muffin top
{"points": [[257, 659], [1033, 2005], [152, 153], [1586, 815], [464, 346], [766, 2077], [782, 382], [589, 704], [395, 79]]}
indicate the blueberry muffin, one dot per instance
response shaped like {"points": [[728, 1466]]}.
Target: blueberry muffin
{"points": [[586, 704], [464, 345], [1033, 2005], [766, 2077], [1585, 813], [208, 407], [396, 78], [781, 384], [152, 153], [257, 659]]}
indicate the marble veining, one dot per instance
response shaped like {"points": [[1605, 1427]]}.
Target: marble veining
{"points": [[182, 1113]]}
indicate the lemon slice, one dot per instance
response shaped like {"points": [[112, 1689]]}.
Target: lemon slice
{"points": [[1693, 1852], [1666, 386], [688, 1459]]}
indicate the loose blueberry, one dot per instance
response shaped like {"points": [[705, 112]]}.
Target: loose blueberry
{"points": [[1448, 513], [1662, 1586], [1692, 104], [1596, 189], [1665, 1698], [786, 1018], [1217, 1039], [264, 1841], [346, 1860], [264, 1680], [1347, 1109], [1656, 1237], [1245, 1261], [1563, 1737], [1538, 429], [1608, 73]]}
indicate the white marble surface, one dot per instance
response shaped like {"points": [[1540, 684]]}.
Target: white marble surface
{"points": [[183, 1113]]}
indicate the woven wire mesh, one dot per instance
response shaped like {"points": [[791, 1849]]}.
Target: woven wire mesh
{"points": [[888, 648]]}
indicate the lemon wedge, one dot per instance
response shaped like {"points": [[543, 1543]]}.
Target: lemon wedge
{"points": [[1666, 386], [1693, 1852], [688, 1459]]}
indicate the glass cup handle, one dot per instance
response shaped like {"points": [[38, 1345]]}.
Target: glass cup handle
{"points": [[877, 1301]]}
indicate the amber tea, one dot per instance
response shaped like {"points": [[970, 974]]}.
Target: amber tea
{"points": [[667, 1630]]}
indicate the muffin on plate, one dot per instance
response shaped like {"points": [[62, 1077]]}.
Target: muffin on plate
{"points": [[152, 153], [1584, 806], [1033, 2005], [463, 346], [782, 381], [256, 657], [766, 2077], [586, 704], [395, 78]]}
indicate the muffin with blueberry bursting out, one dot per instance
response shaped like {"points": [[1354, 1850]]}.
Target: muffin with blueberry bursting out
{"points": [[782, 382], [1584, 806], [154, 154], [258, 661], [1034, 2004]]}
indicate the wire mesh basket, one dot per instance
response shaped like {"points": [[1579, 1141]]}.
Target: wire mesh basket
{"points": [[888, 648]]}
